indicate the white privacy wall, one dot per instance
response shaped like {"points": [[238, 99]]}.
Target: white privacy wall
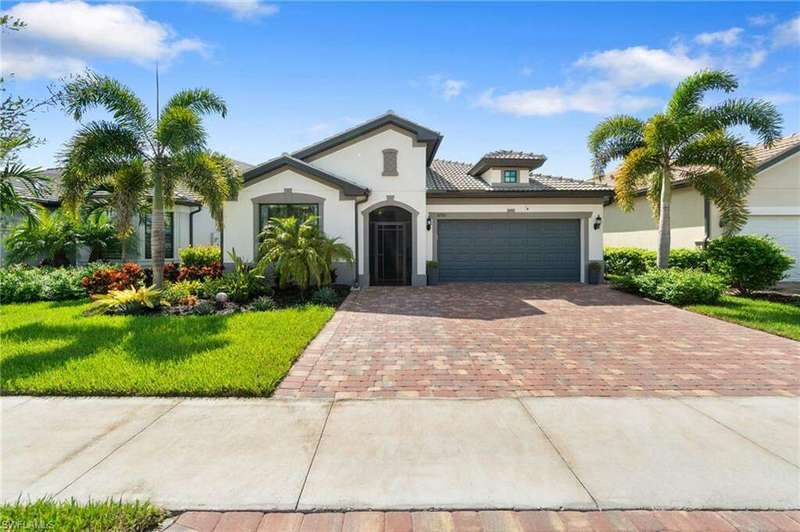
{"points": [[362, 162]]}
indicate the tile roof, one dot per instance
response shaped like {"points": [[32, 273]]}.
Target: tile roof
{"points": [[781, 147], [511, 154], [51, 191], [452, 176]]}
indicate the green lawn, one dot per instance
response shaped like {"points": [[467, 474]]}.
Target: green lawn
{"points": [[108, 516], [50, 349], [777, 318]]}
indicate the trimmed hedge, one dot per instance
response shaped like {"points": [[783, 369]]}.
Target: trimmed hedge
{"points": [[674, 286], [634, 261], [200, 256]]}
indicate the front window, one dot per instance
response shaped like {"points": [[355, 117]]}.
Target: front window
{"points": [[510, 176], [301, 211], [169, 236]]}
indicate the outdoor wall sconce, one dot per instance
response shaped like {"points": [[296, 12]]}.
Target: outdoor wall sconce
{"points": [[428, 223], [597, 221]]}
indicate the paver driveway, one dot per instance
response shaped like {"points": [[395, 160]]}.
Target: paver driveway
{"points": [[496, 340]]}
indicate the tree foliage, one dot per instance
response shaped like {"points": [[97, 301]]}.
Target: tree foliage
{"points": [[134, 155], [687, 140]]}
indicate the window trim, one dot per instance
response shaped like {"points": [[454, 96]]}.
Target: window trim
{"points": [[505, 179], [262, 222], [148, 250]]}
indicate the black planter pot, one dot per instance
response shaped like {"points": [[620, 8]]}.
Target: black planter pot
{"points": [[433, 275], [594, 276]]}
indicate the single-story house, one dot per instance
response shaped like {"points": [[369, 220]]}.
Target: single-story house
{"points": [[773, 205], [187, 223], [380, 189]]}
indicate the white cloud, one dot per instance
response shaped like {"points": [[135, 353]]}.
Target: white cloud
{"points": [[75, 31], [756, 58], [595, 97], [246, 9], [781, 98], [787, 33], [761, 20], [640, 66], [446, 88], [526, 71], [725, 38], [28, 64]]}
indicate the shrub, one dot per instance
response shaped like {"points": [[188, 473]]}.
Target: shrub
{"points": [[103, 280], [199, 273], [182, 290], [264, 303], [200, 256], [54, 238], [325, 296], [128, 301], [748, 262], [678, 287], [628, 261], [204, 308], [687, 259], [23, 283]]}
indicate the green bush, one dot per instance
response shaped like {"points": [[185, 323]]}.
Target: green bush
{"points": [[200, 256], [182, 290], [264, 303], [748, 262], [74, 516], [628, 261], [19, 284], [325, 296], [687, 259], [675, 286]]}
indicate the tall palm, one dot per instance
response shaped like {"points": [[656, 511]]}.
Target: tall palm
{"points": [[689, 139], [132, 146]]}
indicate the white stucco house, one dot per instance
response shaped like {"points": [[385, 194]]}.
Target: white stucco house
{"points": [[381, 190], [773, 205]]}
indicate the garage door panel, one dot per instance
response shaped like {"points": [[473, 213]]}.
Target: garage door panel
{"points": [[509, 250], [786, 232]]}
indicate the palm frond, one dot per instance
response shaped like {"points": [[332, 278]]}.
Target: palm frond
{"points": [[689, 93], [211, 175], [180, 129], [760, 116], [614, 138], [634, 173], [201, 101], [92, 90]]}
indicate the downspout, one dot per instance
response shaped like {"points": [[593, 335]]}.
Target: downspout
{"points": [[191, 224], [706, 220], [355, 219]]}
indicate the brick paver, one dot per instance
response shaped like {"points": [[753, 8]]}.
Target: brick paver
{"points": [[502, 340], [492, 521]]}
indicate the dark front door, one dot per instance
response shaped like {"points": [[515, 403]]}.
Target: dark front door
{"points": [[390, 251]]}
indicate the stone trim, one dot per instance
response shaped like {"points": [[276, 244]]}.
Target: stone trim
{"points": [[417, 279], [390, 162]]}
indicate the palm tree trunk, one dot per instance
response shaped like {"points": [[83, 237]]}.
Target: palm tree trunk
{"points": [[664, 219], [157, 231]]}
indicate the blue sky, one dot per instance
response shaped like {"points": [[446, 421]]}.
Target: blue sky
{"points": [[529, 76]]}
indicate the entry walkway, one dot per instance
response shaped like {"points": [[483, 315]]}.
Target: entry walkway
{"points": [[304, 455]]}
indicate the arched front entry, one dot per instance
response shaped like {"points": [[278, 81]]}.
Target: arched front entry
{"points": [[391, 245]]}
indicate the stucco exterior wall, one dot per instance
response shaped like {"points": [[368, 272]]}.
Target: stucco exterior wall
{"points": [[205, 229], [638, 228], [241, 215], [362, 161]]}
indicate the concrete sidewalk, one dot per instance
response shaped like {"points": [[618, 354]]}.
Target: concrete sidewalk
{"points": [[551, 453]]}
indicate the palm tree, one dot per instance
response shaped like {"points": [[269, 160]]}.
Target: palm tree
{"points": [[133, 150], [689, 139], [299, 252]]}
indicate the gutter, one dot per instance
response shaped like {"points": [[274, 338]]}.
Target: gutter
{"points": [[191, 224], [355, 219]]}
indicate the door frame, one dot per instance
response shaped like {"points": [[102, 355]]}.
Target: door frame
{"points": [[374, 230], [417, 279]]}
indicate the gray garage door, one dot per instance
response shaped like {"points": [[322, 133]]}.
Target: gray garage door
{"points": [[509, 250]]}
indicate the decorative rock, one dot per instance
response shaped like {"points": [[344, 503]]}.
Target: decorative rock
{"points": [[221, 298]]}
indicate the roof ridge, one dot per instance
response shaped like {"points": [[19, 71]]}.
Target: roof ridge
{"points": [[452, 161]]}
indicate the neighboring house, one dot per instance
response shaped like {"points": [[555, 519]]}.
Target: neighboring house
{"points": [[187, 223], [379, 188], [773, 204]]}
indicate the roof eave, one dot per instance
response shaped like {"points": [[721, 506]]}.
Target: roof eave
{"points": [[519, 193], [489, 162], [778, 158], [347, 188]]}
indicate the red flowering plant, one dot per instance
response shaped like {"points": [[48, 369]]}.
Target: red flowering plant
{"points": [[101, 281]]}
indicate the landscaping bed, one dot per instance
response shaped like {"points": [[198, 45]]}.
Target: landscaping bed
{"points": [[51, 348]]}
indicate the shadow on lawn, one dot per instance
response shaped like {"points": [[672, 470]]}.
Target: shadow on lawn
{"points": [[149, 339]]}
